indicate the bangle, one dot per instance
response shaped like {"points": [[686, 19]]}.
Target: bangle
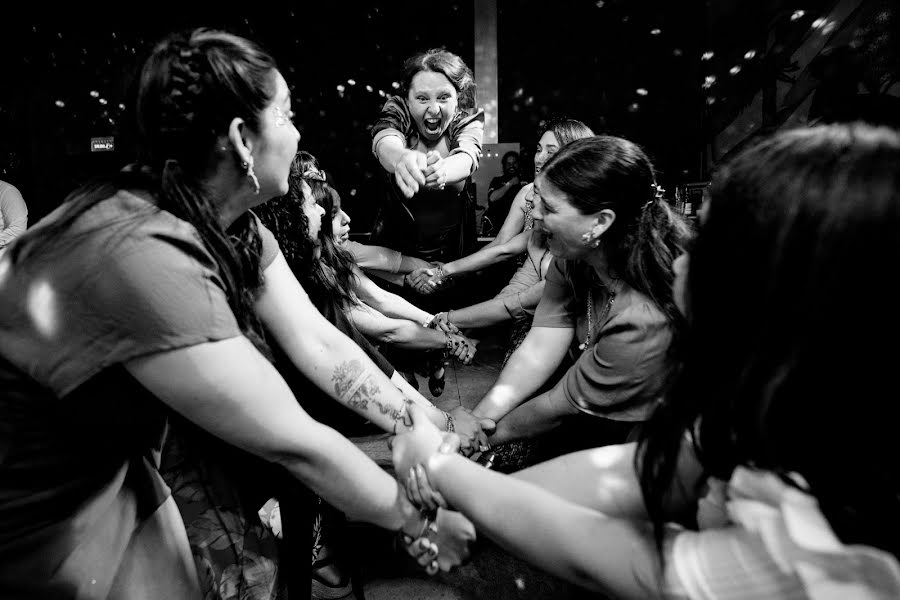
{"points": [[449, 342], [450, 426]]}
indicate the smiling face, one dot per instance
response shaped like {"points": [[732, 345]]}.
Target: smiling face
{"points": [[547, 146], [340, 222], [313, 214], [433, 102], [563, 225], [276, 143]]}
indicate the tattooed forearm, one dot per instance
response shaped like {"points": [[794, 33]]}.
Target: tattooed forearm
{"points": [[353, 387]]}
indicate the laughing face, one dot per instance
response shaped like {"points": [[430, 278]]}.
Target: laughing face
{"points": [[433, 102], [563, 225]]}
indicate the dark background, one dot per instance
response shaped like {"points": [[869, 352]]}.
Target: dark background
{"points": [[633, 68]]}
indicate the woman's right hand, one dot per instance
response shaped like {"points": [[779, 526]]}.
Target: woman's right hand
{"points": [[463, 348], [444, 545], [409, 172]]}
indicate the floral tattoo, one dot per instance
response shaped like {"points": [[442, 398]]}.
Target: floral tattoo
{"points": [[353, 386]]}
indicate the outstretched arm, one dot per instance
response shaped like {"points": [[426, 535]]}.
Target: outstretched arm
{"points": [[232, 391], [485, 257], [328, 358], [385, 302], [576, 543], [528, 368]]}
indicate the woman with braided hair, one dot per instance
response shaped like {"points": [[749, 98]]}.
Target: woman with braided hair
{"points": [[143, 299]]}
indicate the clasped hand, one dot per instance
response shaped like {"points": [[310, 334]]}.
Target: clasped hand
{"points": [[415, 170], [445, 544]]}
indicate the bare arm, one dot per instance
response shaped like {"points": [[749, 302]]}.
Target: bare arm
{"points": [[400, 332], [321, 352], [515, 218], [488, 255], [385, 302], [231, 378], [604, 479], [533, 418], [528, 368], [580, 545], [576, 543]]}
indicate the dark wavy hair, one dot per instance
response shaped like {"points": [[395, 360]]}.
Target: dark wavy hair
{"points": [[329, 278], [605, 172], [448, 64], [566, 130], [190, 88], [784, 368]]}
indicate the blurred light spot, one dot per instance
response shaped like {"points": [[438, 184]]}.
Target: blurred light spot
{"points": [[735, 69], [395, 85], [710, 101], [828, 28], [102, 101], [381, 93], [529, 101], [634, 107], [340, 88], [60, 103], [42, 308], [656, 31], [519, 93], [351, 81], [642, 91], [369, 88], [709, 81], [353, 192], [707, 55], [677, 52], [819, 22], [520, 583], [95, 94], [121, 107], [798, 14], [749, 54], [599, 3]]}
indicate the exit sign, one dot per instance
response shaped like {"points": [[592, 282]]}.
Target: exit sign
{"points": [[102, 144]]}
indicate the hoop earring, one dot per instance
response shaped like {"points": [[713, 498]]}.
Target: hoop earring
{"points": [[248, 166]]}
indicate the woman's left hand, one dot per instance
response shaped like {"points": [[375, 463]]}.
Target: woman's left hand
{"points": [[418, 443]]}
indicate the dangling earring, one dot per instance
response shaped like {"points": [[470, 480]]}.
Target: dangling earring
{"points": [[248, 166]]}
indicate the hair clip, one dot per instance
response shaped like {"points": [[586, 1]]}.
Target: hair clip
{"points": [[314, 174]]}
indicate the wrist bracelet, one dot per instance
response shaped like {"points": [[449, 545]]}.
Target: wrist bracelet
{"points": [[449, 342], [450, 426], [429, 321]]}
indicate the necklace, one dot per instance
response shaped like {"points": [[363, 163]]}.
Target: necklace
{"points": [[590, 310]]}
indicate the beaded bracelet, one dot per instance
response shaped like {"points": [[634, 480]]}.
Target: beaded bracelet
{"points": [[450, 425]]}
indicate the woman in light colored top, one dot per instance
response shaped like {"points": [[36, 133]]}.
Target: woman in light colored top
{"points": [[767, 471]]}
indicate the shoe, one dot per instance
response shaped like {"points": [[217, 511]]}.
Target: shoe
{"points": [[436, 381], [328, 583]]}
